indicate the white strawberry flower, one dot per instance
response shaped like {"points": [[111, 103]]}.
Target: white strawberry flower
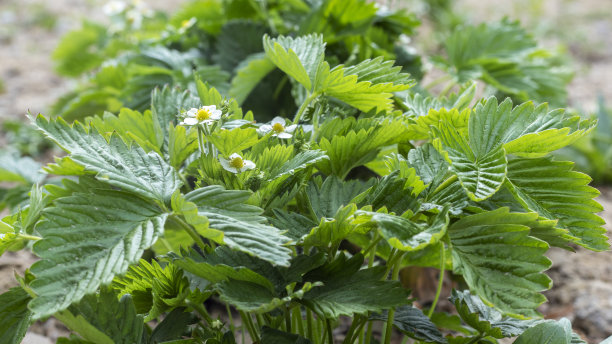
{"points": [[236, 164], [113, 8], [278, 128], [202, 115]]}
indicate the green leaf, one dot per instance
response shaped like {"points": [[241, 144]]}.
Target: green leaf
{"points": [[168, 103], [325, 199], [395, 193], [234, 141], [155, 290], [485, 319], [382, 73], [480, 169], [116, 163], [181, 144], [189, 210], [548, 332], [88, 238], [413, 323], [347, 290], [104, 319], [237, 40], [241, 224], [299, 162], [331, 231], [298, 57], [499, 261], [14, 315], [272, 336], [248, 74], [404, 234], [14, 168], [132, 126], [554, 191]]}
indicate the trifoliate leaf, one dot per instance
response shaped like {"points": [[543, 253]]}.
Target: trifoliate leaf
{"points": [[103, 318], [413, 323], [485, 319], [298, 57], [347, 290], [116, 163], [554, 191], [420, 130], [500, 261], [325, 199], [240, 223], [88, 238], [14, 315], [404, 234]]}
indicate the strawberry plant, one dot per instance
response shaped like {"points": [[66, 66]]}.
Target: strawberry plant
{"points": [[186, 220]]}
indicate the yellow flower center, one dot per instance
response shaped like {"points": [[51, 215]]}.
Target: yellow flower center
{"points": [[185, 23], [237, 162], [203, 114], [278, 128]]}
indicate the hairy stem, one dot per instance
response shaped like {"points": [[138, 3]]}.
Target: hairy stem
{"points": [[397, 263], [199, 308], [440, 281], [304, 106], [191, 231]]}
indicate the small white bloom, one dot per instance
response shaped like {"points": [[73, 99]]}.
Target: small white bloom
{"points": [[2, 236], [236, 164], [113, 8], [134, 19], [278, 128], [203, 115], [186, 25]]}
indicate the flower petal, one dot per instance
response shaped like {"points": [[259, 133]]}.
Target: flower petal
{"points": [[278, 119], [283, 135], [235, 155], [248, 165], [291, 128], [190, 121], [265, 128], [226, 165]]}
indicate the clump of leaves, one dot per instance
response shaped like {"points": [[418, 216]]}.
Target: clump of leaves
{"points": [[291, 224]]}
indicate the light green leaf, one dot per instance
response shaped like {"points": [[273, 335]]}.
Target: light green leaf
{"points": [[395, 193], [299, 162], [500, 261], [105, 319], [181, 144], [88, 238], [132, 126], [248, 74], [554, 191], [241, 224], [480, 170], [381, 73], [331, 231], [116, 163], [14, 315], [234, 141], [548, 332], [298, 57], [420, 129], [168, 103], [404, 234]]}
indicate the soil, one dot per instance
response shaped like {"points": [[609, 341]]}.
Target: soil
{"points": [[582, 291]]}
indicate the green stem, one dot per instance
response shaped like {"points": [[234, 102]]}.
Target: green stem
{"points": [[231, 318], [438, 81], [29, 237], [191, 231], [330, 334], [297, 314], [372, 256], [287, 319], [448, 87], [201, 147], [475, 339], [247, 321], [199, 308], [446, 183], [304, 106], [315, 123], [348, 339], [394, 276], [309, 329], [440, 281]]}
